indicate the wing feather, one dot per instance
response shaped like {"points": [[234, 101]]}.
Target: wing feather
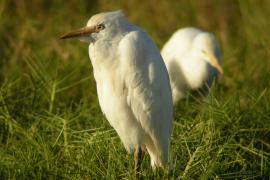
{"points": [[148, 91]]}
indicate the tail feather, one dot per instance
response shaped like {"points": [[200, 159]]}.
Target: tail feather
{"points": [[157, 152]]}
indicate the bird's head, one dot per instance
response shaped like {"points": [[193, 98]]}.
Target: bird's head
{"points": [[206, 47], [99, 26]]}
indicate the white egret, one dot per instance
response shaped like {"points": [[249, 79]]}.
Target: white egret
{"points": [[132, 84], [192, 58]]}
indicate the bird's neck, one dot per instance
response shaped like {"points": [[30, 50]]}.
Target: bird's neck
{"points": [[195, 69], [100, 54]]}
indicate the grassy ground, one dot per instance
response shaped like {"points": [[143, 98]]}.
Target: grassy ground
{"points": [[51, 125]]}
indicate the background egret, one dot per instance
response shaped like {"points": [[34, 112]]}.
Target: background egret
{"points": [[132, 84], [192, 58]]}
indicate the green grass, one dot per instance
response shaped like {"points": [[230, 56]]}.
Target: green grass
{"points": [[51, 125]]}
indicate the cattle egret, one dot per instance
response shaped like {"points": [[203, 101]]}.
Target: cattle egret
{"points": [[192, 58], [132, 84]]}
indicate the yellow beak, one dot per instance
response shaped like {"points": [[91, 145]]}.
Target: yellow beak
{"points": [[214, 62]]}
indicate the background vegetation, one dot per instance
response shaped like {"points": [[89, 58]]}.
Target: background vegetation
{"points": [[51, 125]]}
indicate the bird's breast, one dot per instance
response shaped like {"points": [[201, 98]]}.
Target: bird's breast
{"points": [[110, 88], [106, 67]]}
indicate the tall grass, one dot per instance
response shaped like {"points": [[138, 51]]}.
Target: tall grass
{"points": [[51, 125]]}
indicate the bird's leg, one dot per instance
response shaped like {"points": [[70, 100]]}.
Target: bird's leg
{"points": [[138, 157]]}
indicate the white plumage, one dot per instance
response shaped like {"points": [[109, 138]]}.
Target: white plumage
{"points": [[132, 83], [192, 58]]}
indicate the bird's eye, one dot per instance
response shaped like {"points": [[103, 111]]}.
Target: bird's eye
{"points": [[100, 27]]}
